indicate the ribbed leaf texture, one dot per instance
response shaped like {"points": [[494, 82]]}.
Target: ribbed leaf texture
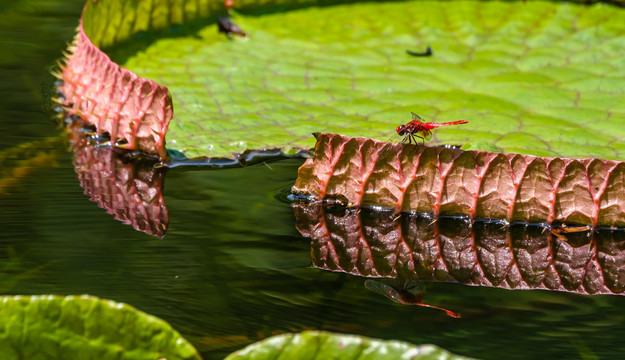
{"points": [[84, 327], [320, 345], [373, 244], [537, 77], [473, 184], [133, 111], [130, 191]]}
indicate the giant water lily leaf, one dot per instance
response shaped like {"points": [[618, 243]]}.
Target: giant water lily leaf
{"points": [[474, 184], [313, 345], [540, 78], [84, 327]]}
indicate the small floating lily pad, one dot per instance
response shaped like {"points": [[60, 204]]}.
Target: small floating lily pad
{"points": [[318, 345], [84, 327]]}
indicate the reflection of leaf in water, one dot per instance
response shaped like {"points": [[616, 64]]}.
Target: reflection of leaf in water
{"points": [[129, 189], [584, 351], [12, 271], [519, 256], [405, 292], [22, 160]]}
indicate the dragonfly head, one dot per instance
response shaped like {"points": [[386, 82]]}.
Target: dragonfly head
{"points": [[401, 130]]}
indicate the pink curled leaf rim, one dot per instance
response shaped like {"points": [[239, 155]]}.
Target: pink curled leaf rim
{"points": [[135, 112]]}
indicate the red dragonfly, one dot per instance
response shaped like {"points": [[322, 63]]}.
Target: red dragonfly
{"points": [[405, 292], [423, 130]]}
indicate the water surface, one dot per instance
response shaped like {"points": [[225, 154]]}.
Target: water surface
{"points": [[232, 268]]}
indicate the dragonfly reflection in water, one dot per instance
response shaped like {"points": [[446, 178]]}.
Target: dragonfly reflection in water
{"points": [[405, 292]]}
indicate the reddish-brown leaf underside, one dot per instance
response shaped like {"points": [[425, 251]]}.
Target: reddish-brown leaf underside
{"points": [[475, 184], [374, 244], [132, 110], [130, 191]]}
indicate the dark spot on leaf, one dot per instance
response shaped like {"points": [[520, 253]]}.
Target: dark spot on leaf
{"points": [[427, 52], [226, 26]]}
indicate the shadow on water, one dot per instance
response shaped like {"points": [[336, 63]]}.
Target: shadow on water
{"points": [[124, 50]]}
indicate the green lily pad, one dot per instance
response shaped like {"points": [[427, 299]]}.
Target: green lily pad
{"points": [[312, 345], [541, 78], [84, 327]]}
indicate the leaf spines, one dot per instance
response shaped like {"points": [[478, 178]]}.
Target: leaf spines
{"points": [[131, 109]]}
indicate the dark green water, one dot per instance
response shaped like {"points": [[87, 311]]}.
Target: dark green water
{"points": [[232, 268]]}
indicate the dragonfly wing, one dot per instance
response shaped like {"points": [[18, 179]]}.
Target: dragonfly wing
{"points": [[383, 289], [414, 287], [427, 135], [416, 117]]}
